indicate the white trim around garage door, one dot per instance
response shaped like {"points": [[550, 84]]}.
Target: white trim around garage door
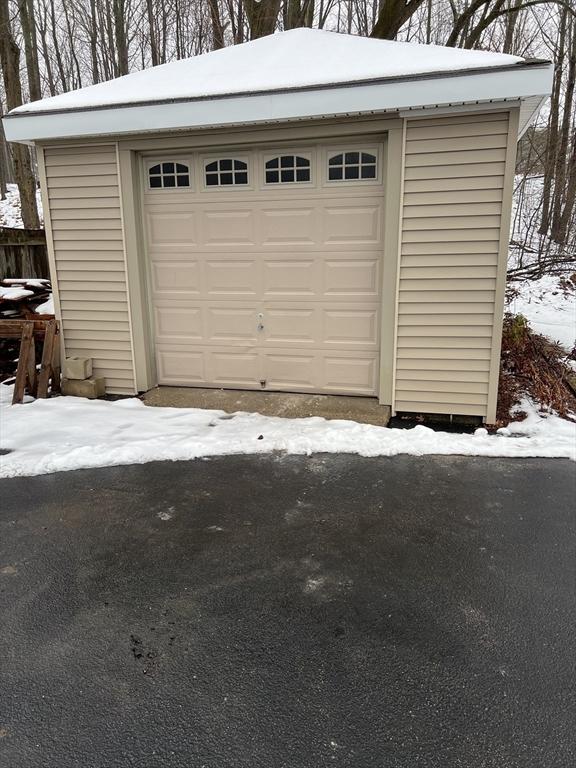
{"points": [[130, 164]]}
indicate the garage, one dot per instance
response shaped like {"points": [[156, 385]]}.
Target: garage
{"points": [[340, 227], [265, 266]]}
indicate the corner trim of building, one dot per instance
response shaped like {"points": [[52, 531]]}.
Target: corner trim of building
{"points": [[144, 374], [50, 246], [391, 270], [511, 149]]}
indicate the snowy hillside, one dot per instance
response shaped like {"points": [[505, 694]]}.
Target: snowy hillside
{"points": [[10, 215]]}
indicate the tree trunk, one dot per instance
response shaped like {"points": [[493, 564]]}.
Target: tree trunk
{"points": [[553, 131], [152, 33], [562, 169], [120, 33], [28, 25], [10, 63], [262, 16], [5, 165], [298, 13], [217, 26], [94, 43]]}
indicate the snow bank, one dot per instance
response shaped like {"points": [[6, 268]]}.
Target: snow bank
{"points": [[296, 58], [72, 433], [550, 310]]}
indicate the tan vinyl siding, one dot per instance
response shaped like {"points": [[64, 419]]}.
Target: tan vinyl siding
{"points": [[86, 223], [449, 262]]}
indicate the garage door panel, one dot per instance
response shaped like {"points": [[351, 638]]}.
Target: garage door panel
{"points": [[352, 224], [290, 371], [294, 277], [172, 228], [351, 277], [181, 366], [176, 276], [228, 228], [357, 327], [289, 226], [234, 368], [290, 325], [174, 321], [350, 375], [232, 324], [232, 278]]}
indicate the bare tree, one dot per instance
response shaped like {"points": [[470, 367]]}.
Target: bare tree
{"points": [[10, 61]]}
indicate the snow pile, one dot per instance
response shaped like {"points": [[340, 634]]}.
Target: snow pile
{"points": [[10, 214], [295, 58], [549, 308], [47, 308], [14, 293], [73, 433]]}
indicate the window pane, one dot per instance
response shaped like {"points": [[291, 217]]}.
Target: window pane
{"points": [[352, 158], [167, 167], [241, 177], [303, 174], [155, 182], [334, 174], [211, 179], [226, 165], [287, 175], [239, 165], [302, 162], [155, 169], [369, 172], [336, 160], [274, 163], [367, 158], [183, 180], [287, 161], [169, 181], [181, 168], [212, 166], [351, 172], [271, 177], [226, 178]]}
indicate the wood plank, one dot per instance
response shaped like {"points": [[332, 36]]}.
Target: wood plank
{"points": [[46, 370], [26, 346], [56, 360], [13, 329]]}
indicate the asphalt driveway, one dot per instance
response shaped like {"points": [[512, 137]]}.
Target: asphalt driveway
{"points": [[281, 611]]}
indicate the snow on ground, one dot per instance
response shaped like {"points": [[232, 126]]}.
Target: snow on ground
{"points": [[292, 59], [10, 215], [67, 433], [549, 309]]}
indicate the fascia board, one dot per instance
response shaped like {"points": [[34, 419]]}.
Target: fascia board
{"points": [[534, 80]]}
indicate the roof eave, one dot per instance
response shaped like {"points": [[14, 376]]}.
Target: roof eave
{"points": [[497, 84]]}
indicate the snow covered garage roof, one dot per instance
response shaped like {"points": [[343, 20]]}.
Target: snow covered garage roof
{"points": [[302, 73]]}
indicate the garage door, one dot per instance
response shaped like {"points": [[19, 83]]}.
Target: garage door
{"points": [[265, 266]]}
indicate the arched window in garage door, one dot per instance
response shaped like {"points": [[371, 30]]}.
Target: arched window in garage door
{"points": [[288, 169], [168, 175], [226, 171], [352, 166]]}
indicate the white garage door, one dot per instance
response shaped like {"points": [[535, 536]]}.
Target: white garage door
{"points": [[265, 267]]}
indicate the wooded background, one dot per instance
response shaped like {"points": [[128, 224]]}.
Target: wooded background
{"points": [[51, 46]]}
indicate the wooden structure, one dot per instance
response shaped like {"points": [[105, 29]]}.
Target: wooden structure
{"points": [[23, 253], [38, 383]]}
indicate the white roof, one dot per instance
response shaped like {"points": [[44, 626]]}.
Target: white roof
{"points": [[299, 74], [287, 60]]}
